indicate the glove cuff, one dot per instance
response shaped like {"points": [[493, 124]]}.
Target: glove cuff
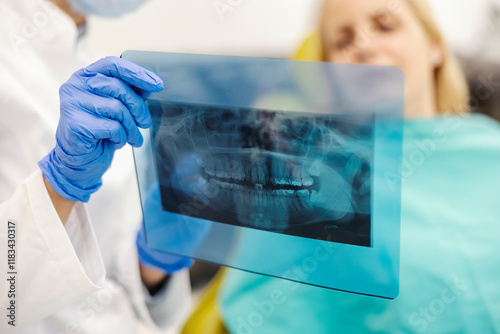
{"points": [[176, 263], [63, 186], [165, 262]]}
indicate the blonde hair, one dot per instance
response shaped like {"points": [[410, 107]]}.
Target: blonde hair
{"points": [[452, 94]]}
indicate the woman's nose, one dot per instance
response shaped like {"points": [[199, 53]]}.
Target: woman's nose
{"points": [[365, 51]]}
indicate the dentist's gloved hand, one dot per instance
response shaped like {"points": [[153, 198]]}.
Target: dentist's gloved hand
{"points": [[165, 262], [177, 233], [102, 107]]}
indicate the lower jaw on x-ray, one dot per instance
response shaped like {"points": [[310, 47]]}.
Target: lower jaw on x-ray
{"points": [[302, 174]]}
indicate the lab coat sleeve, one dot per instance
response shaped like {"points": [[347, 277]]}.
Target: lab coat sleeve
{"points": [[51, 270], [170, 307]]}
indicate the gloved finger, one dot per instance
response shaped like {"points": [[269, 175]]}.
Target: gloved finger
{"points": [[112, 131], [91, 127], [111, 108], [142, 93], [117, 89], [130, 73]]}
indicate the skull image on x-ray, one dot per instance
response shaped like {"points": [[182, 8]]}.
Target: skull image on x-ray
{"points": [[302, 174]]}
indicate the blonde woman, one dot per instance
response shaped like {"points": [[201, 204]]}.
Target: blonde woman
{"points": [[450, 230]]}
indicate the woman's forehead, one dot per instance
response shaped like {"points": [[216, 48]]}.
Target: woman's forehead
{"points": [[341, 12]]}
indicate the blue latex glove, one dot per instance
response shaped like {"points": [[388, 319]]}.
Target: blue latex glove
{"points": [[165, 262], [102, 107], [176, 233]]}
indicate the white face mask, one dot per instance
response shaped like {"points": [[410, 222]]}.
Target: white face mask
{"points": [[108, 8]]}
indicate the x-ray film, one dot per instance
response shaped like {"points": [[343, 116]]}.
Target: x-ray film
{"points": [[270, 165], [302, 174]]}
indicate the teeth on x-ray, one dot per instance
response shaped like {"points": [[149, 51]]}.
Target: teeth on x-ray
{"points": [[279, 171]]}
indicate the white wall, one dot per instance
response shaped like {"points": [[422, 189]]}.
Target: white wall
{"points": [[269, 28], [471, 27]]}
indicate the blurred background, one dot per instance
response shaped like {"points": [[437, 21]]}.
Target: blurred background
{"points": [[271, 28], [230, 27], [260, 28], [263, 28]]}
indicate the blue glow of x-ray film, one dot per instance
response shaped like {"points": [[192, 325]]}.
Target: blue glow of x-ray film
{"points": [[272, 165]]}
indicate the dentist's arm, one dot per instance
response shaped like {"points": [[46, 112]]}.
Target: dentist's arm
{"points": [[62, 205]]}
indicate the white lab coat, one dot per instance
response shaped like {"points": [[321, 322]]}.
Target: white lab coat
{"points": [[82, 277]]}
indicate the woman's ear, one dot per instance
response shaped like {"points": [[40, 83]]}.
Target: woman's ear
{"points": [[436, 55]]}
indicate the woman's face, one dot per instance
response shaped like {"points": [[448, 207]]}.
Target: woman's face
{"points": [[385, 33]]}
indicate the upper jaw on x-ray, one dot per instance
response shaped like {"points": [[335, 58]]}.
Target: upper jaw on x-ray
{"points": [[303, 174]]}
